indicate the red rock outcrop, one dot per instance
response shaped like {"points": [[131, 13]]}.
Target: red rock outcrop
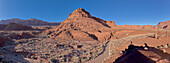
{"points": [[80, 25], [80, 16], [111, 23], [164, 25]]}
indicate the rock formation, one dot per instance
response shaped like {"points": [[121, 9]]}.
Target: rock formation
{"points": [[80, 25], [29, 22], [164, 25]]}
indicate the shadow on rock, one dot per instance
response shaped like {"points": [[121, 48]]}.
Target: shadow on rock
{"points": [[134, 55]]}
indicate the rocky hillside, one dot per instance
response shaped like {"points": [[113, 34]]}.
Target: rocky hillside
{"points": [[164, 25], [30, 22], [80, 25], [14, 26]]}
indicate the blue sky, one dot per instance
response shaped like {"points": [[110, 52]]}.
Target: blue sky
{"points": [[130, 12]]}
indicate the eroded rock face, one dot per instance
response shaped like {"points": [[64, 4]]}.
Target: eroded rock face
{"points": [[80, 25], [83, 18], [111, 23], [79, 13], [164, 25]]}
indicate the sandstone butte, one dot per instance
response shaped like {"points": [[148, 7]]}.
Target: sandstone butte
{"points": [[82, 26]]}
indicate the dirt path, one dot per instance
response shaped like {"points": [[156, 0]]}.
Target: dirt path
{"points": [[101, 57], [113, 44]]}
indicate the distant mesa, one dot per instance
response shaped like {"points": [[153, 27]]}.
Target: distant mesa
{"points": [[138, 26], [29, 22], [161, 25]]}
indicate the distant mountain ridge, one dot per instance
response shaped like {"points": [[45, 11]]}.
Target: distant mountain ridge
{"points": [[29, 22], [160, 25]]}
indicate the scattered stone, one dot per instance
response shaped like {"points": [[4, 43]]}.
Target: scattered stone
{"points": [[158, 47], [164, 51], [121, 52], [76, 59], [145, 48], [156, 36], [165, 46], [83, 59], [168, 45], [162, 46]]}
